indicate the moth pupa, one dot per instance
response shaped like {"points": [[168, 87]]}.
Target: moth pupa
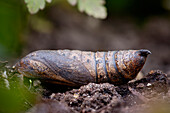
{"points": [[76, 68]]}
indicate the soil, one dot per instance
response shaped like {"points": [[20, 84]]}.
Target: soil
{"points": [[138, 96]]}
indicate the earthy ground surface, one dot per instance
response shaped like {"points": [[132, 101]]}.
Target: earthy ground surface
{"points": [[150, 94]]}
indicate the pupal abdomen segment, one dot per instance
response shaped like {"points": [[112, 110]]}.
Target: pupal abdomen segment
{"points": [[76, 68]]}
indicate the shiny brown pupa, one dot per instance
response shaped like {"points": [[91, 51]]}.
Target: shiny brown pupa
{"points": [[76, 68]]}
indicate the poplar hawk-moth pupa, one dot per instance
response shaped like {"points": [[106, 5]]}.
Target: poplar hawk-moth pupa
{"points": [[76, 68]]}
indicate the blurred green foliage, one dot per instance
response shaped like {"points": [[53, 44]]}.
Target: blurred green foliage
{"points": [[97, 9], [35, 5], [11, 26], [14, 95], [93, 8]]}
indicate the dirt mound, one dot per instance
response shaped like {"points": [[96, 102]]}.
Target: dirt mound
{"points": [[139, 96]]}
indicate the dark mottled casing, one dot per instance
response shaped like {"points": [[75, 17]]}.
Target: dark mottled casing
{"points": [[75, 68]]}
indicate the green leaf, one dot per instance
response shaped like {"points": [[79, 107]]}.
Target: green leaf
{"points": [[72, 2], [93, 8], [35, 5]]}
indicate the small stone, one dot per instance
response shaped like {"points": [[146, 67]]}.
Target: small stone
{"points": [[149, 84], [76, 95], [52, 95], [141, 85]]}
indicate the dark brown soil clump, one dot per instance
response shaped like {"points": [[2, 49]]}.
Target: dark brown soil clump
{"points": [[91, 97], [154, 83], [136, 97]]}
